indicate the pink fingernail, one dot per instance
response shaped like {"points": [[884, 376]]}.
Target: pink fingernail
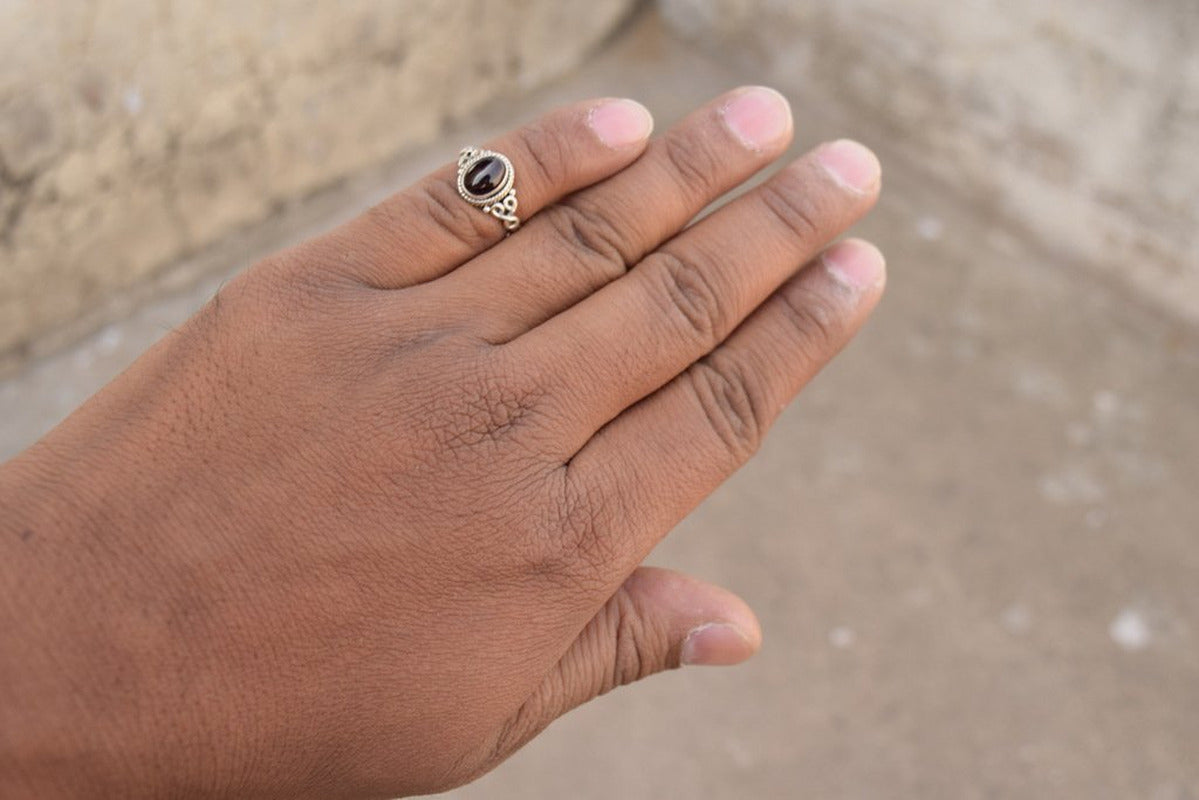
{"points": [[716, 644], [757, 116], [850, 164], [620, 123], [855, 264]]}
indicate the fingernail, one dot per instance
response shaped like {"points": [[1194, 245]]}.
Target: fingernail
{"points": [[620, 123], [855, 264], [757, 116], [850, 164], [716, 644]]}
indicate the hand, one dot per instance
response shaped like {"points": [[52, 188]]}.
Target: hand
{"points": [[372, 518]]}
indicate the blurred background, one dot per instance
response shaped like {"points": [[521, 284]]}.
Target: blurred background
{"points": [[974, 541]]}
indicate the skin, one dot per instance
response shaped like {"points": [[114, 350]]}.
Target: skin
{"points": [[373, 518]]}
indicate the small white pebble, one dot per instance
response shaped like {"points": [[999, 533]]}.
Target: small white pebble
{"points": [[842, 637], [109, 340], [930, 228], [1017, 619], [1130, 630], [1105, 404], [133, 101]]}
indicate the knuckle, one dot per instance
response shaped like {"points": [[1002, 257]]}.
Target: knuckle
{"points": [[594, 547], [637, 644], [491, 415], [817, 320], [576, 543], [439, 202], [734, 403], [694, 161], [792, 206], [592, 239], [546, 154], [689, 295]]}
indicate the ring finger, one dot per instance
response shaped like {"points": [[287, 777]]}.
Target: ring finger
{"points": [[427, 230]]}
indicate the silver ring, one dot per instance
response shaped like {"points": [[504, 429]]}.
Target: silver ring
{"points": [[485, 180]]}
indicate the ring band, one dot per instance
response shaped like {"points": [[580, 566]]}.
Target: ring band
{"points": [[485, 179]]}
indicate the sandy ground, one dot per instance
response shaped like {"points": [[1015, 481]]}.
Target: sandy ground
{"points": [[973, 542]]}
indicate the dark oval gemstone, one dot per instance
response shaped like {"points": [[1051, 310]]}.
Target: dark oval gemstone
{"points": [[484, 176]]}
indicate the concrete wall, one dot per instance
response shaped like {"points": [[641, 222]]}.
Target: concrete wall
{"points": [[1077, 118], [133, 133]]}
